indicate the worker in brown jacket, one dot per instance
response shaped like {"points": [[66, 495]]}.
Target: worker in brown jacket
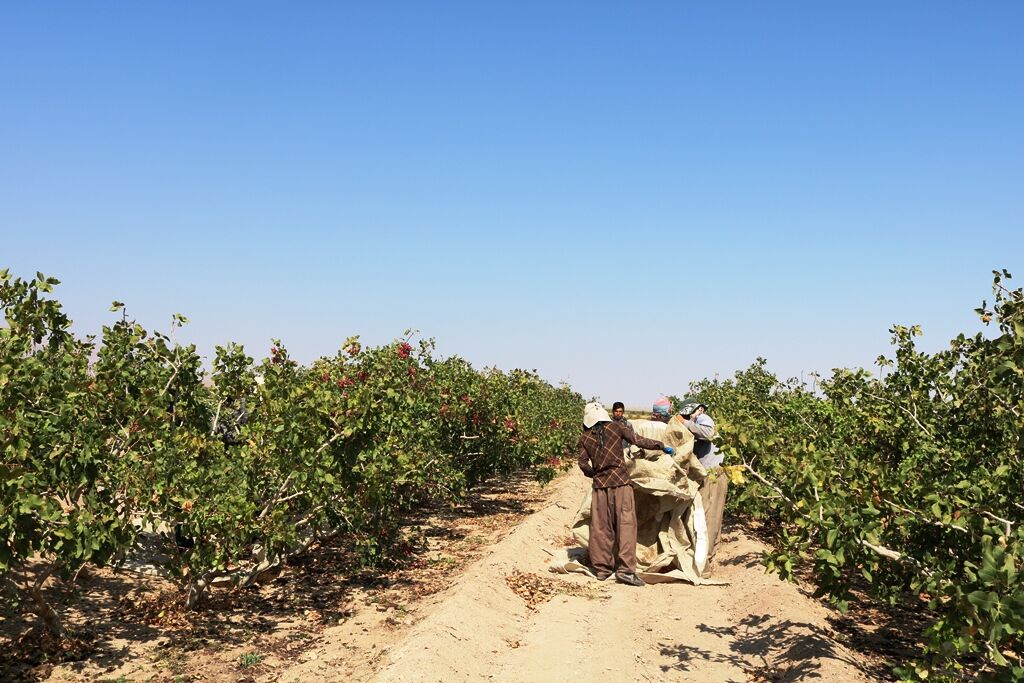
{"points": [[612, 512]]}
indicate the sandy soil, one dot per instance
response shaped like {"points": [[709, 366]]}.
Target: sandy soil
{"points": [[477, 604], [755, 628]]}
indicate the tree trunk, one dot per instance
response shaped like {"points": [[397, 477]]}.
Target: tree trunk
{"points": [[40, 607]]}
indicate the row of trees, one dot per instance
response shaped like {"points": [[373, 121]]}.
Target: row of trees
{"points": [[910, 485], [237, 466], [906, 485]]}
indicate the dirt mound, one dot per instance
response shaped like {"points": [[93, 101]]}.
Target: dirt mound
{"points": [[504, 621]]}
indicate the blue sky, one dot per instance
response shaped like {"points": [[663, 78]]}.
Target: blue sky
{"points": [[626, 197]]}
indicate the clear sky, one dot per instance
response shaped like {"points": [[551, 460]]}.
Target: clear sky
{"points": [[625, 196]]}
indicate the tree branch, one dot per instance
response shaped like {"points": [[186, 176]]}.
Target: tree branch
{"points": [[325, 444], [918, 516], [216, 418], [912, 415], [880, 550], [1005, 522], [276, 497]]}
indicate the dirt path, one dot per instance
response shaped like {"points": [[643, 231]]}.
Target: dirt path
{"points": [[756, 628], [475, 602]]}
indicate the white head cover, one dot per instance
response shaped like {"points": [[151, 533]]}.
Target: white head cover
{"points": [[594, 413]]}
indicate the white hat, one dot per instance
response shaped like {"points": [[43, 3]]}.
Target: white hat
{"points": [[594, 413]]}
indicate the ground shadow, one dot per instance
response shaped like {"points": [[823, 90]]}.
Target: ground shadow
{"points": [[891, 634], [746, 560], [315, 589], [505, 495], [887, 635], [768, 649]]}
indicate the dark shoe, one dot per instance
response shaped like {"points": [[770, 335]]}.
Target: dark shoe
{"points": [[630, 580], [601, 576]]}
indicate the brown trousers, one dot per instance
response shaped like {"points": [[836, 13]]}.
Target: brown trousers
{"points": [[612, 544], [713, 493]]}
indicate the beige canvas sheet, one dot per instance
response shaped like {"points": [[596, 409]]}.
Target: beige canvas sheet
{"points": [[672, 537]]}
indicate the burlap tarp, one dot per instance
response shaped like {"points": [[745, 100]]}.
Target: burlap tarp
{"points": [[672, 534]]}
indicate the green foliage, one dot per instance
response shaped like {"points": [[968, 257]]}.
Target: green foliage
{"points": [[911, 483], [238, 467], [249, 660]]}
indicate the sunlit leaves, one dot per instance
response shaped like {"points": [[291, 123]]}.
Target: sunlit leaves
{"points": [[232, 468], [901, 484]]}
